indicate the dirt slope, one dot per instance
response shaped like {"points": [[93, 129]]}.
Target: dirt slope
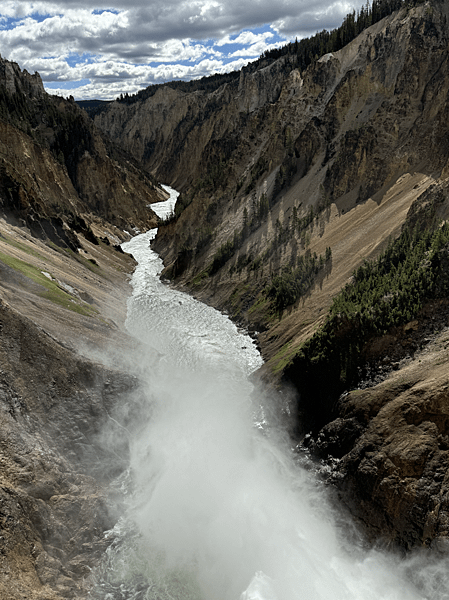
{"points": [[354, 236]]}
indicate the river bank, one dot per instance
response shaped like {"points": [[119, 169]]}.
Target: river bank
{"points": [[74, 416], [61, 317]]}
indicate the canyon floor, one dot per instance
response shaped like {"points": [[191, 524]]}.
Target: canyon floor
{"points": [[65, 388]]}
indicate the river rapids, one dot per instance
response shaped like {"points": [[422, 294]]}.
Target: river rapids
{"points": [[217, 507]]}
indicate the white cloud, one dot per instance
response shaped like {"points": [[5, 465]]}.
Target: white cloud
{"points": [[136, 42], [246, 38], [323, 15], [249, 38]]}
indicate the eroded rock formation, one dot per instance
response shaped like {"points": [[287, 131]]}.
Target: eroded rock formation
{"points": [[278, 168], [328, 146], [282, 164], [58, 171], [66, 197]]}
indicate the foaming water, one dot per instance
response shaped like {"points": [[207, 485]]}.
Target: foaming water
{"points": [[165, 209], [218, 509]]}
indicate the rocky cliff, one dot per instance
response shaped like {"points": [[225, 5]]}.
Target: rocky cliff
{"points": [[66, 195], [58, 172], [314, 210], [291, 179], [273, 163], [66, 401]]}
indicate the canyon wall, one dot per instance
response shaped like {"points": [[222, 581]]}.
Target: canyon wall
{"points": [[68, 197], [58, 172], [290, 180], [273, 163]]}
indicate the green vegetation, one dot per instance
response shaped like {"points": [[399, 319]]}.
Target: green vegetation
{"points": [[309, 49], [20, 246], [52, 291], [385, 293], [93, 107], [63, 128], [391, 291], [282, 358], [259, 305], [293, 282], [198, 279], [283, 234], [207, 84]]}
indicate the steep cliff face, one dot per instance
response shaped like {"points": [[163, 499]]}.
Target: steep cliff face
{"points": [[66, 194], [59, 410], [56, 169], [177, 135], [53, 467], [394, 467], [17, 81], [290, 180], [282, 162]]}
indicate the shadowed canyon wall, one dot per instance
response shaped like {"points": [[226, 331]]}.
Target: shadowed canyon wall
{"points": [[290, 179]]}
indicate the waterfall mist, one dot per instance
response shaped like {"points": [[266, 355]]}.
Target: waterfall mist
{"points": [[219, 509]]}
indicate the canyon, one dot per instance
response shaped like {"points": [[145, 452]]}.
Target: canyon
{"points": [[280, 163], [276, 166]]}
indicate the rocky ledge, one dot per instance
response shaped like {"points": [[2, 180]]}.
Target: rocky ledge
{"points": [[388, 447]]}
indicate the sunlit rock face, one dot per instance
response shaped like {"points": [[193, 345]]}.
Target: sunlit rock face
{"points": [[338, 134], [58, 173], [16, 80], [55, 409], [357, 137], [68, 197]]}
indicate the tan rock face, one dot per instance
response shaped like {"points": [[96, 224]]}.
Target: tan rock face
{"points": [[392, 444], [53, 508], [66, 195], [55, 167], [357, 137], [173, 133], [59, 411], [345, 133]]}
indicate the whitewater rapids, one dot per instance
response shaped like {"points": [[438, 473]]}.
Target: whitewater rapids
{"points": [[218, 509]]}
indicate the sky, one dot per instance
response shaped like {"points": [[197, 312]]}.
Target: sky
{"points": [[98, 49]]}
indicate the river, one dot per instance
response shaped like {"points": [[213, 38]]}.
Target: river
{"points": [[217, 506]]}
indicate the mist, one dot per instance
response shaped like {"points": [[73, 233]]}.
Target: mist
{"points": [[218, 508]]}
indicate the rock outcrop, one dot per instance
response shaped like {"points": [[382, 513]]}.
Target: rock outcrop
{"points": [[66, 196], [65, 417], [269, 163], [389, 451], [57, 170], [16, 81], [54, 466]]}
